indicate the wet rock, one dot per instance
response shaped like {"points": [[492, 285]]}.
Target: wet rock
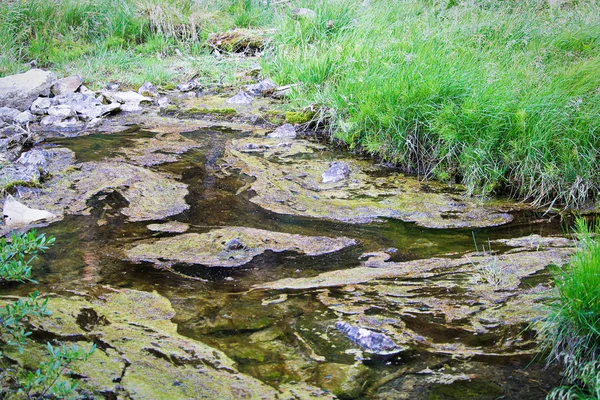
{"points": [[338, 171], [17, 214], [262, 88], [148, 90], [345, 381], [536, 242], [140, 353], [150, 195], [304, 13], [160, 149], [41, 105], [20, 91], [292, 185], [66, 85], [12, 139], [232, 247], [238, 41], [286, 131], [24, 118], [373, 342], [8, 114], [189, 86], [171, 227], [241, 98]]}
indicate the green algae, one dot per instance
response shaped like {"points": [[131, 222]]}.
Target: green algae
{"points": [[232, 246], [287, 184], [298, 117], [140, 354], [151, 195]]}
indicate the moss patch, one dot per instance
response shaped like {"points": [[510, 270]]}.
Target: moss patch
{"points": [[298, 117]]}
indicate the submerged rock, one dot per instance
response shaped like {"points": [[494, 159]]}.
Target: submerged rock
{"points": [[373, 342], [346, 381], [470, 306], [171, 227], [140, 354], [232, 246], [163, 148], [19, 91], [287, 184]]}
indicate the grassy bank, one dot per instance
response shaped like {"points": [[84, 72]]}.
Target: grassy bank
{"points": [[502, 96], [571, 332]]}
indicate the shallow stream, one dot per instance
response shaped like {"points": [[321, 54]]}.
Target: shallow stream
{"points": [[454, 345]]}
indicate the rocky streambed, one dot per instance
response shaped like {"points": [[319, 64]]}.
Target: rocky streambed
{"points": [[212, 249]]}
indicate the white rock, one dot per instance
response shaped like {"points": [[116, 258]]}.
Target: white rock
{"points": [[16, 214], [20, 91], [62, 111], [24, 118], [66, 85], [8, 114], [41, 105], [286, 131]]}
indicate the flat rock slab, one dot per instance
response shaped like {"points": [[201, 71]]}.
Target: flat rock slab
{"points": [[231, 247], [286, 183], [163, 148], [151, 195], [19, 91], [170, 227], [476, 305], [141, 355]]}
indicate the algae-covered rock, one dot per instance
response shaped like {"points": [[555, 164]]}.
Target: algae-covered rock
{"points": [[469, 306], [345, 381], [287, 184], [151, 195], [232, 246], [163, 148], [171, 226], [140, 354]]}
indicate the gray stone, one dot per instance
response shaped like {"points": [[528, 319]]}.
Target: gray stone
{"points": [[126, 97], [24, 118], [20, 91], [241, 98], [35, 161], [86, 106], [163, 102], [188, 86], [131, 107], [94, 123], [148, 89], [66, 85], [111, 87], [338, 171], [41, 105], [304, 13], [373, 342], [61, 111], [29, 167], [262, 88], [83, 89], [8, 114], [50, 120], [286, 131]]}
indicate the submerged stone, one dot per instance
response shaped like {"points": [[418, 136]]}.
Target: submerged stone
{"points": [[171, 227], [140, 354], [231, 247], [287, 184], [373, 342]]}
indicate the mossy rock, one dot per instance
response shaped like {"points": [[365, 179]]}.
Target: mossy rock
{"points": [[298, 117], [238, 41]]}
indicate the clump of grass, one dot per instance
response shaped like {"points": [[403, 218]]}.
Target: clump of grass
{"points": [[571, 331], [501, 96]]}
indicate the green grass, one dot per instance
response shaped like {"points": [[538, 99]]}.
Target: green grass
{"points": [[571, 331], [500, 95]]}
